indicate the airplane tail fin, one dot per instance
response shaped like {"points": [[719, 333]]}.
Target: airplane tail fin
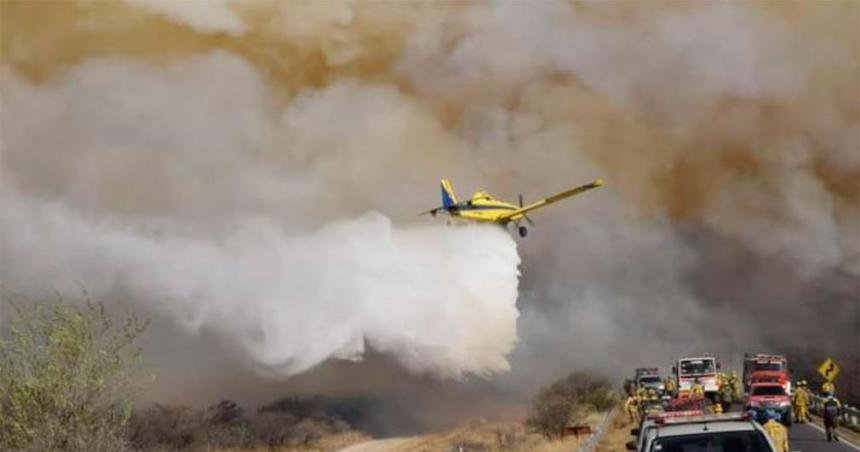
{"points": [[448, 196]]}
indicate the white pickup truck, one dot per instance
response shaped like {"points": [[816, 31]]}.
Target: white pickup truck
{"points": [[733, 432]]}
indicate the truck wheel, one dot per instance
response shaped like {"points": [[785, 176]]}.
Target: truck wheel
{"points": [[786, 420]]}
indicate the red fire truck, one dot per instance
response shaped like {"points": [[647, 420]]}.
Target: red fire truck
{"points": [[764, 368]]}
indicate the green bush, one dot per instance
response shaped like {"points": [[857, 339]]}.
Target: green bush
{"points": [[65, 379], [568, 401]]}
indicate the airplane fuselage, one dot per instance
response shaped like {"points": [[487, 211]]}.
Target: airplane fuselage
{"points": [[483, 207]]}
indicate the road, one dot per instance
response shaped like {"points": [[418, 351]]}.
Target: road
{"points": [[380, 445], [808, 438]]}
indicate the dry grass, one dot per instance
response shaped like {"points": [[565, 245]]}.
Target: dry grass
{"points": [[618, 433], [479, 436], [330, 443]]}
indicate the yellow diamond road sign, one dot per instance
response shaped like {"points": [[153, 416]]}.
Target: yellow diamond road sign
{"points": [[828, 369]]}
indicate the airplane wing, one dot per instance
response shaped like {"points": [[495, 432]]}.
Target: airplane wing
{"points": [[554, 198]]}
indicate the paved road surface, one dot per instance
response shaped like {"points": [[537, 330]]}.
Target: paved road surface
{"points": [[808, 438]]}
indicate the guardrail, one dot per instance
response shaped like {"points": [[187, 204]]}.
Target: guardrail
{"points": [[850, 415]]}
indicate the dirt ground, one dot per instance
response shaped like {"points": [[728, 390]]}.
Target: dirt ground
{"points": [[484, 436], [479, 435], [327, 444]]}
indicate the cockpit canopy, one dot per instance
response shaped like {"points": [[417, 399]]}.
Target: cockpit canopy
{"points": [[482, 195]]}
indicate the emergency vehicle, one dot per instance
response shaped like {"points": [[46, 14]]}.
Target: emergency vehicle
{"points": [[649, 378], [769, 396], [715, 432], [763, 368], [687, 370]]}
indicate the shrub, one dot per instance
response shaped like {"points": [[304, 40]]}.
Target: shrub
{"points": [[568, 401], [161, 426], [65, 377], [290, 421], [299, 421], [177, 427]]}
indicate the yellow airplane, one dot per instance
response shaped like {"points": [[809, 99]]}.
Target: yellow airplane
{"points": [[483, 207]]}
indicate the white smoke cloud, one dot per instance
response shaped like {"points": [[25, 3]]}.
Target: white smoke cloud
{"points": [[185, 190], [441, 300]]}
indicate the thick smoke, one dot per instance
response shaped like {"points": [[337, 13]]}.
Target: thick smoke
{"points": [[728, 133], [144, 202]]}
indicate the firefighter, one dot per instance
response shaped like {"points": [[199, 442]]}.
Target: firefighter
{"points": [[669, 384], [734, 382], [800, 402], [798, 388], [632, 406], [725, 394], [652, 395], [827, 388], [831, 409], [777, 432], [697, 390]]}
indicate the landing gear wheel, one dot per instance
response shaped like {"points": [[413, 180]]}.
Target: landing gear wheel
{"points": [[523, 231]]}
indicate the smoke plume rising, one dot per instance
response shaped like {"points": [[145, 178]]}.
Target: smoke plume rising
{"points": [[225, 137]]}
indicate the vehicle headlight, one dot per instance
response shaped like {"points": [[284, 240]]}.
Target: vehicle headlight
{"points": [[754, 403], [784, 404]]}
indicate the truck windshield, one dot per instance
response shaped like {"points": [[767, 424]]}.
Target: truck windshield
{"points": [[653, 379], [772, 365], [747, 441], [768, 390], [697, 366]]}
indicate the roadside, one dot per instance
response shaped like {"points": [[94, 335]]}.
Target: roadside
{"points": [[845, 434], [329, 443], [617, 433], [480, 435]]}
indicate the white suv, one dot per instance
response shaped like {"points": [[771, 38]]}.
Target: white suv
{"points": [[712, 433]]}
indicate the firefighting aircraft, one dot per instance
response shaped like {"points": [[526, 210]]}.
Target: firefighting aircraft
{"points": [[482, 207]]}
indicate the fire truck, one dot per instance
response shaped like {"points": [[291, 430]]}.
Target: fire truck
{"points": [[704, 368], [649, 378], [764, 368]]}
